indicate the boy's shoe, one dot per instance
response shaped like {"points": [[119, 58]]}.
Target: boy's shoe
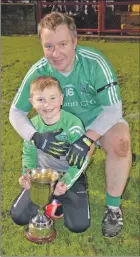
{"points": [[54, 209], [112, 222]]}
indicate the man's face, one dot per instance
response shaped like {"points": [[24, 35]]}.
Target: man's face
{"points": [[59, 47], [47, 103]]}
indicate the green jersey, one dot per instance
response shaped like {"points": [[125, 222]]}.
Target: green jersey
{"points": [[72, 130], [91, 85]]}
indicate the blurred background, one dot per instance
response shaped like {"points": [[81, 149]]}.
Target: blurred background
{"points": [[92, 17]]}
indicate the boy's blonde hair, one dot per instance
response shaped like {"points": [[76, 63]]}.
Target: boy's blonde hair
{"points": [[52, 20], [43, 82]]}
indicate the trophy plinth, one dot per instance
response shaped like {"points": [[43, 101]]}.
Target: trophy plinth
{"points": [[40, 229]]}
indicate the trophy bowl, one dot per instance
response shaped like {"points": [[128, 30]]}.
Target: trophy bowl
{"points": [[40, 228]]}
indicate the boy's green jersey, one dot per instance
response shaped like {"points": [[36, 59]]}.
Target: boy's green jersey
{"points": [[73, 129], [91, 85]]}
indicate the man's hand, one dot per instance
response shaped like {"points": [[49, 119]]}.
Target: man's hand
{"points": [[78, 151], [49, 144]]}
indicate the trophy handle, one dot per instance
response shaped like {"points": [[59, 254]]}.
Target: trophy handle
{"points": [[52, 185]]}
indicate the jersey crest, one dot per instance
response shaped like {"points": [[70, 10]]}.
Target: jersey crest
{"points": [[84, 88]]}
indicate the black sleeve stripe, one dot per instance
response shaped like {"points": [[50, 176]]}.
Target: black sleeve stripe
{"points": [[112, 84]]}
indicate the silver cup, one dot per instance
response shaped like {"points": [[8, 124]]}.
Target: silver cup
{"points": [[40, 229]]}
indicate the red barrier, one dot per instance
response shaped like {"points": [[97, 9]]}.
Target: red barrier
{"points": [[97, 16]]}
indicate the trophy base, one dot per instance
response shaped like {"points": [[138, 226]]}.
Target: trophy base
{"points": [[42, 240]]}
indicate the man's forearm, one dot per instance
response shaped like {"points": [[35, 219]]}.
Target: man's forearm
{"points": [[104, 121], [92, 134], [19, 120]]}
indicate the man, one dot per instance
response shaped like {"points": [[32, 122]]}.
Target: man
{"points": [[91, 92]]}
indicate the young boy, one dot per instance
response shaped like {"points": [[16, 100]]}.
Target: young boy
{"points": [[47, 98]]}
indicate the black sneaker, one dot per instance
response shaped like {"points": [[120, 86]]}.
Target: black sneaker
{"points": [[112, 222]]}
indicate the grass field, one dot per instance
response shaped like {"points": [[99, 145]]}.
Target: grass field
{"points": [[18, 54]]}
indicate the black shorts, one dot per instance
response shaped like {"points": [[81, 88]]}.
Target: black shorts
{"points": [[75, 207]]}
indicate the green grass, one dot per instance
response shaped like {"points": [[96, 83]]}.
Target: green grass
{"points": [[18, 54]]}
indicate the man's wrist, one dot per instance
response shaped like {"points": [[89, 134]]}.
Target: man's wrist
{"points": [[34, 136], [91, 140], [88, 141], [92, 135]]}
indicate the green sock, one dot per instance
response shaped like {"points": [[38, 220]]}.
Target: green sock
{"points": [[112, 201]]}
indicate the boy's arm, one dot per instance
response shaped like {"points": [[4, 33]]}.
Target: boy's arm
{"points": [[29, 157], [73, 173]]}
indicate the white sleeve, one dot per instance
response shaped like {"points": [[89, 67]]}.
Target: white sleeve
{"points": [[107, 118], [19, 120]]}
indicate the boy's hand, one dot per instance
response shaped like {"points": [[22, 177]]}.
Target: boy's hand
{"points": [[49, 144], [24, 181], [60, 188]]}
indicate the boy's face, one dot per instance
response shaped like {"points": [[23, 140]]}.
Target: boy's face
{"points": [[47, 103], [59, 47]]}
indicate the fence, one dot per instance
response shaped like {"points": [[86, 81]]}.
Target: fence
{"points": [[18, 18], [98, 16], [91, 16]]}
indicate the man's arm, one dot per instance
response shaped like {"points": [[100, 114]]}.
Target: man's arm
{"points": [[19, 120], [105, 84], [46, 141], [107, 96], [21, 105], [105, 121]]}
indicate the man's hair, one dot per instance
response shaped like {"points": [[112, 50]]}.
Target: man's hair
{"points": [[40, 83], [52, 20]]}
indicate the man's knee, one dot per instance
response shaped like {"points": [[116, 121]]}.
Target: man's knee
{"points": [[122, 146], [117, 141]]}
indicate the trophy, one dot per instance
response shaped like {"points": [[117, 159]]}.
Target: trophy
{"points": [[40, 228]]}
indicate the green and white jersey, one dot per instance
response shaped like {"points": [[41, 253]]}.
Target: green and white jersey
{"points": [[73, 129], [91, 85]]}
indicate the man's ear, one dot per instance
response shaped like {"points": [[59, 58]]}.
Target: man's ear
{"points": [[74, 42]]}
